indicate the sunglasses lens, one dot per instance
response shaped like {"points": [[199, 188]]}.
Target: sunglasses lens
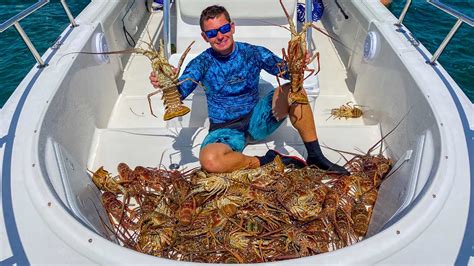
{"points": [[211, 33], [223, 29]]}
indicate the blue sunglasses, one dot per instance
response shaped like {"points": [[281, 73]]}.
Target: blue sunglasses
{"points": [[223, 29]]}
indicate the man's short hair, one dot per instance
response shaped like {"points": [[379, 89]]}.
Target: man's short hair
{"points": [[212, 12]]}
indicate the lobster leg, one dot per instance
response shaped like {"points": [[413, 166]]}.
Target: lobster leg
{"points": [[181, 59], [282, 65], [319, 64], [311, 71], [149, 101]]}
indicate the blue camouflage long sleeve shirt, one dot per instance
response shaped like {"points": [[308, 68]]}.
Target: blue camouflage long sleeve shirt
{"points": [[231, 82]]}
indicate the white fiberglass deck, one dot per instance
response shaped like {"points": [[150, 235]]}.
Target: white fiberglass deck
{"points": [[135, 137]]}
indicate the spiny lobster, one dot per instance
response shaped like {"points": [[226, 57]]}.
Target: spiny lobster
{"points": [[296, 59], [167, 77]]}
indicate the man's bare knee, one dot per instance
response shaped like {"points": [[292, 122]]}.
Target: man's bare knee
{"points": [[211, 157], [209, 161]]}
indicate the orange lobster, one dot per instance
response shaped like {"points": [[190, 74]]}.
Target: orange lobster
{"points": [[296, 59]]}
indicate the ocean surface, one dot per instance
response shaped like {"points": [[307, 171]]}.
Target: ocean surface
{"points": [[428, 24]]}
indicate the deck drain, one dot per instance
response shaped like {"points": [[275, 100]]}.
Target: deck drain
{"points": [[174, 166]]}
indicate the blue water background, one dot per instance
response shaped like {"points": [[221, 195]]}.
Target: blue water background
{"points": [[428, 24], [43, 28]]}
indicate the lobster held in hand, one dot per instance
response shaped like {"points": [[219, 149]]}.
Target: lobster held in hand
{"points": [[296, 59], [166, 77]]}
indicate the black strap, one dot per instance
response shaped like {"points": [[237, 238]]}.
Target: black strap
{"points": [[240, 123]]}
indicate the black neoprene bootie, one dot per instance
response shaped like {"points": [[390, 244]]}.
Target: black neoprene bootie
{"points": [[317, 158], [286, 159]]}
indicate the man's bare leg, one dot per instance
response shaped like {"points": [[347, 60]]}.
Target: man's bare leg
{"points": [[301, 117], [220, 158]]}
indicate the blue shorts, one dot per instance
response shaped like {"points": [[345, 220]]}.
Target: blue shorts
{"points": [[256, 126]]}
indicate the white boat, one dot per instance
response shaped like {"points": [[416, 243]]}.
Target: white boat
{"points": [[84, 111]]}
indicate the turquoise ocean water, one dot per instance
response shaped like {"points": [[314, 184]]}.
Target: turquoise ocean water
{"points": [[43, 28], [428, 24]]}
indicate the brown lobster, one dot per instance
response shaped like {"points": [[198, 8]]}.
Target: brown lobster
{"points": [[347, 110], [248, 216], [167, 77], [295, 59]]}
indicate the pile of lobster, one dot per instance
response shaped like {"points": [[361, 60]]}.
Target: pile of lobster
{"points": [[266, 214]]}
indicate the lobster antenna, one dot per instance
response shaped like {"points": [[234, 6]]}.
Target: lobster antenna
{"points": [[272, 24], [126, 51], [150, 46], [390, 132]]}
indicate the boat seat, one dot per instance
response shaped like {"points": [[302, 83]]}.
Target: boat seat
{"points": [[255, 24]]}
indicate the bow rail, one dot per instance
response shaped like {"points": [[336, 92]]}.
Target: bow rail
{"points": [[15, 21], [461, 17]]}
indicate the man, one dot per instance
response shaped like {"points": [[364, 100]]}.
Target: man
{"points": [[230, 72]]}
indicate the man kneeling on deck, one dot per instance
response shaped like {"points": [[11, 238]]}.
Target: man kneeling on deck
{"points": [[230, 71]]}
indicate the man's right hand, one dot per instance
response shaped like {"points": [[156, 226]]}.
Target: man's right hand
{"points": [[154, 80]]}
